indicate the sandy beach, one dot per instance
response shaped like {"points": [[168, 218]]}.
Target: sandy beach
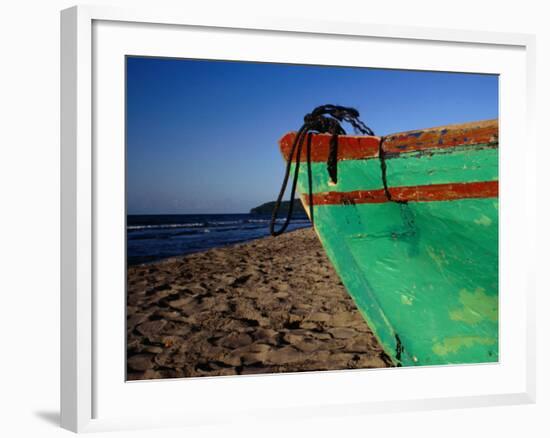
{"points": [[266, 306]]}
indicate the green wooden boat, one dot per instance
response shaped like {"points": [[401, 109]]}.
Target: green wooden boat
{"points": [[418, 255]]}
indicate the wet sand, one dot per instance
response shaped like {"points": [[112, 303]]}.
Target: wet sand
{"points": [[266, 306]]}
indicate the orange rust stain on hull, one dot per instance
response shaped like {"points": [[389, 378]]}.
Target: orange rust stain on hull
{"points": [[349, 147]]}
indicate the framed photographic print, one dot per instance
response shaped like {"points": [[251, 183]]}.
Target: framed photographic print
{"points": [[264, 230]]}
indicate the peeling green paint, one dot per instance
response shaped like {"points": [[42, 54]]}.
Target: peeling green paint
{"points": [[483, 220], [453, 345], [477, 306], [437, 257]]}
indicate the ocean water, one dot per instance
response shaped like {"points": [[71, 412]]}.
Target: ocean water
{"points": [[155, 237]]}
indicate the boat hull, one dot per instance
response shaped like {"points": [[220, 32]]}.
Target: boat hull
{"points": [[420, 256]]}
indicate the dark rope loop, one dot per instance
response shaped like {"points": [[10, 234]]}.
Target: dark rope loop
{"points": [[323, 119], [384, 172]]}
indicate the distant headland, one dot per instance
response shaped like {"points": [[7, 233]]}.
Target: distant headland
{"points": [[267, 208]]}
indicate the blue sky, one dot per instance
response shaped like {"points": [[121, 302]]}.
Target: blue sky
{"points": [[202, 135]]}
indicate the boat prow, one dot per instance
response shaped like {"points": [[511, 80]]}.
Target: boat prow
{"points": [[411, 226]]}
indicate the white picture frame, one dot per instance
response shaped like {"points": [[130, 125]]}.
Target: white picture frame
{"points": [[93, 397]]}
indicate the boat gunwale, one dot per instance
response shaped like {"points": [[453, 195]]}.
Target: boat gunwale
{"points": [[471, 134]]}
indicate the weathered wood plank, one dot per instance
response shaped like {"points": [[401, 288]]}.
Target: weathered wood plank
{"points": [[364, 147]]}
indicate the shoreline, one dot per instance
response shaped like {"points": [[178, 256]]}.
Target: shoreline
{"points": [[267, 305], [179, 257], [145, 245]]}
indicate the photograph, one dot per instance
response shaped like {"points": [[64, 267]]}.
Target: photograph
{"points": [[285, 218]]}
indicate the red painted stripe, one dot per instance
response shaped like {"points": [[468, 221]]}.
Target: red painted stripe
{"points": [[361, 147], [433, 192]]}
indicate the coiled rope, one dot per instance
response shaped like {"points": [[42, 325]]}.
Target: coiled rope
{"points": [[323, 119]]}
